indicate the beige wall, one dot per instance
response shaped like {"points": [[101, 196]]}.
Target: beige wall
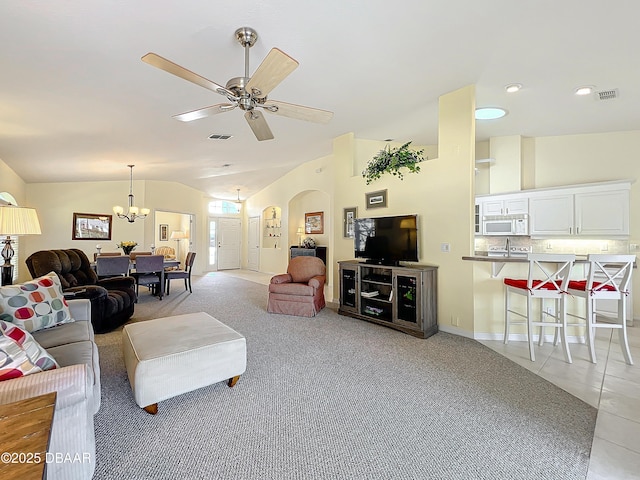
{"points": [[314, 176], [441, 194], [13, 184], [56, 203], [440, 191], [556, 161]]}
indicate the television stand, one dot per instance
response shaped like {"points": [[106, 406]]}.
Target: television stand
{"points": [[396, 296]]}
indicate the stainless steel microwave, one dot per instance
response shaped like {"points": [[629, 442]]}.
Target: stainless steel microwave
{"points": [[505, 225]]}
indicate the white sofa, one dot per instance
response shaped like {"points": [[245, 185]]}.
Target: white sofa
{"points": [[77, 383]]}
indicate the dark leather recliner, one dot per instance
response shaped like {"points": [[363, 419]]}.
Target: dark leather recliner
{"points": [[112, 299]]}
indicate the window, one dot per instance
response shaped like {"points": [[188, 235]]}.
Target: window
{"points": [[224, 206]]}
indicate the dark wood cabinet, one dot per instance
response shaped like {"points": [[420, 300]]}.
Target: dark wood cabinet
{"points": [[400, 297], [320, 252]]}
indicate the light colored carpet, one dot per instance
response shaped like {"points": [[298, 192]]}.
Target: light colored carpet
{"points": [[333, 397]]}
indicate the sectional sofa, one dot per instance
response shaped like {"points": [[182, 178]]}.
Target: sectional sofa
{"points": [[77, 383]]}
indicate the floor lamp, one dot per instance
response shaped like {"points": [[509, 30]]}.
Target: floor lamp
{"points": [[178, 235], [15, 221]]}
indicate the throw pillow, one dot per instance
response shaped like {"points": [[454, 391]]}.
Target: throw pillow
{"points": [[35, 304], [20, 354]]}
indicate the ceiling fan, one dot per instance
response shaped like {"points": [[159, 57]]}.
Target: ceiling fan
{"points": [[248, 93]]}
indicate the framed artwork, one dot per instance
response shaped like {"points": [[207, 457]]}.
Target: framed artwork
{"points": [[163, 234], [314, 222], [348, 217], [376, 199], [90, 226]]}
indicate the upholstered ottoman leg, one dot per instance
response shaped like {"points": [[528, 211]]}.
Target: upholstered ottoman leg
{"points": [[170, 356]]}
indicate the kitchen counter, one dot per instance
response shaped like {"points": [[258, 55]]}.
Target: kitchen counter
{"points": [[498, 261]]}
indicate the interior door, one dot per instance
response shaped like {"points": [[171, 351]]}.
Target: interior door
{"points": [[229, 235], [253, 244]]}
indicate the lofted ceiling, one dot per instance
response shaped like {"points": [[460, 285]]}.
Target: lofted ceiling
{"points": [[78, 104]]}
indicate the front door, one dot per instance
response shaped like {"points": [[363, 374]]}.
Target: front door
{"points": [[229, 235]]}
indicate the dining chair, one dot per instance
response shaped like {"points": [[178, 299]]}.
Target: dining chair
{"points": [[133, 255], [554, 271], [186, 273], [168, 252], [112, 266], [607, 279], [149, 272], [106, 254]]}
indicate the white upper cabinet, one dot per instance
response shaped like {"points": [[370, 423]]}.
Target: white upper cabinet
{"points": [[551, 215], [589, 211], [511, 206], [602, 213]]}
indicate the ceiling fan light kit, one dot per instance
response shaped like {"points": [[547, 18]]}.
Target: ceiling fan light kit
{"points": [[249, 93]]}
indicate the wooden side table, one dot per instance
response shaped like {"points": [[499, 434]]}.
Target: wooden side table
{"points": [[25, 428]]}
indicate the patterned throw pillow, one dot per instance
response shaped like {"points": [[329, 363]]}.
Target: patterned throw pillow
{"points": [[20, 354], [35, 304]]}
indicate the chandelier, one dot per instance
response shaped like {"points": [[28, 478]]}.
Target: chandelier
{"points": [[133, 212]]}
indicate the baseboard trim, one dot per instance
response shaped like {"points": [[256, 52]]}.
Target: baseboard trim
{"points": [[521, 337], [455, 331]]}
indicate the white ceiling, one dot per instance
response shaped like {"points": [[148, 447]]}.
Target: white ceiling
{"points": [[77, 104]]}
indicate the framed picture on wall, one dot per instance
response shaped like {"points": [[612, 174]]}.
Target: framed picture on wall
{"points": [[163, 234], [314, 222], [348, 217], [90, 226], [376, 199]]}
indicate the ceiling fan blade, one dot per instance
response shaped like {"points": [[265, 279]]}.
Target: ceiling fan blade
{"points": [[298, 112], [175, 69], [274, 68], [205, 112], [259, 125]]}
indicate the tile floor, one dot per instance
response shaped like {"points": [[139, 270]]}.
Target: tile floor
{"points": [[612, 386]]}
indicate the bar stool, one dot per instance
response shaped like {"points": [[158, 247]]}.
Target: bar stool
{"points": [[608, 278], [553, 285]]}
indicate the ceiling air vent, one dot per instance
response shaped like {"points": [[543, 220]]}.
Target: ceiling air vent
{"points": [[220, 136], [608, 94]]}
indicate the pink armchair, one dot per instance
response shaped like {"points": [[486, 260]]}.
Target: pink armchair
{"points": [[300, 291]]}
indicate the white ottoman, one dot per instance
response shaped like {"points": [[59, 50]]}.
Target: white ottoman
{"points": [[170, 356]]}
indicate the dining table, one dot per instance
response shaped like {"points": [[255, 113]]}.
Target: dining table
{"points": [[168, 263]]}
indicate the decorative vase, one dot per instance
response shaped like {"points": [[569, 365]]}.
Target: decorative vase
{"points": [[128, 250]]}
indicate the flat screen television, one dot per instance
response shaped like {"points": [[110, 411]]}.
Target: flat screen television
{"points": [[386, 240]]}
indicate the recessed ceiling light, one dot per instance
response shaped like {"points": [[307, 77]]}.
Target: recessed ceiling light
{"points": [[490, 113], [513, 87], [585, 90]]}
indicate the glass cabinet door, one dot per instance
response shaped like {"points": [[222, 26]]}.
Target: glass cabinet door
{"points": [[407, 301], [349, 294]]}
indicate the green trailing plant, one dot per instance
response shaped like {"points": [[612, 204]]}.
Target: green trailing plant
{"points": [[392, 160]]}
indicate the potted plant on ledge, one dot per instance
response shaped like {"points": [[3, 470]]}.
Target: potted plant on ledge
{"points": [[391, 160]]}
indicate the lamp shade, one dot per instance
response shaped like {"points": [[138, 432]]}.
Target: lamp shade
{"points": [[408, 223], [19, 221], [177, 235]]}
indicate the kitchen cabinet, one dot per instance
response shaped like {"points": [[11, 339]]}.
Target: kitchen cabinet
{"points": [[510, 206], [602, 213], [400, 297], [583, 214], [551, 215]]}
